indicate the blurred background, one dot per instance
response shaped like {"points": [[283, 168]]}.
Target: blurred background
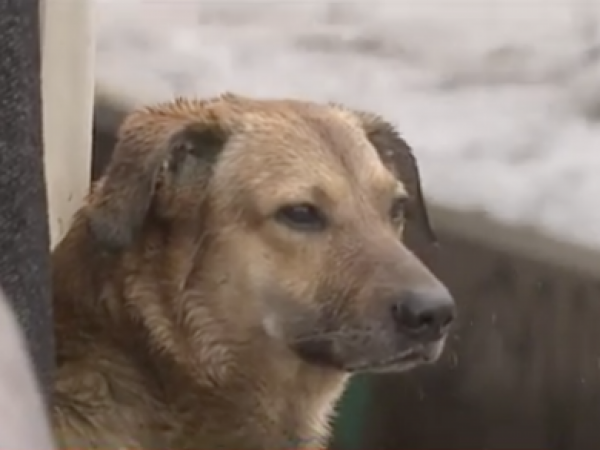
{"points": [[501, 101]]}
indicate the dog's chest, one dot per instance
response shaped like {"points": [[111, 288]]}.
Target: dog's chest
{"points": [[307, 424], [266, 416], [262, 412], [305, 411]]}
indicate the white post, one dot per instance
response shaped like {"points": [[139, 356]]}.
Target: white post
{"points": [[67, 97]]}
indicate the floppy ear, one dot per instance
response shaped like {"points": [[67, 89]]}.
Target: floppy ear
{"points": [[398, 156], [146, 144]]}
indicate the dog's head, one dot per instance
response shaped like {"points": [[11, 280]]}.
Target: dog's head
{"points": [[305, 206]]}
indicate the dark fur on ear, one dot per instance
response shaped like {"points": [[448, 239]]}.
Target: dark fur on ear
{"points": [[396, 154], [149, 141]]}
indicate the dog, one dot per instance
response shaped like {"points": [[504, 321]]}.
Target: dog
{"points": [[239, 259]]}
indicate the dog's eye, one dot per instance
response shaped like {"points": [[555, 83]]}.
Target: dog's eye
{"points": [[398, 211], [302, 216]]}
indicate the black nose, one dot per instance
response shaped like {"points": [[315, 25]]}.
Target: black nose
{"points": [[424, 314]]}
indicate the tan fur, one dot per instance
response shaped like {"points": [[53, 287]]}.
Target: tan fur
{"points": [[186, 311]]}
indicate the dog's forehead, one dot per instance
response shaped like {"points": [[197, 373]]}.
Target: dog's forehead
{"points": [[322, 137]]}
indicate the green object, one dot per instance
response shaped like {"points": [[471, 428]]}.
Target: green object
{"points": [[350, 423]]}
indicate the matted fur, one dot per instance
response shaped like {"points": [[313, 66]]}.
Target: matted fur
{"points": [[188, 316]]}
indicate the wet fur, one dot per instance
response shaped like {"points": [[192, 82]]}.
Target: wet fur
{"points": [[178, 303]]}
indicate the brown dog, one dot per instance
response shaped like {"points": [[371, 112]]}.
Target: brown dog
{"points": [[238, 260]]}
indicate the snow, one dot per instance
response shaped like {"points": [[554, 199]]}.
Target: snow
{"points": [[499, 98]]}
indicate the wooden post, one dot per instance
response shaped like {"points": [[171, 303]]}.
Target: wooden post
{"points": [[68, 95]]}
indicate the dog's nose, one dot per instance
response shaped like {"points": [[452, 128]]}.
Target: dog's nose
{"points": [[424, 314]]}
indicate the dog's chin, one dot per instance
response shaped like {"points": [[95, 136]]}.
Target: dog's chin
{"points": [[323, 354], [397, 363], [401, 361]]}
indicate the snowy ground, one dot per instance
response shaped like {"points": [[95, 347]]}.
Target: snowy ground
{"points": [[500, 98]]}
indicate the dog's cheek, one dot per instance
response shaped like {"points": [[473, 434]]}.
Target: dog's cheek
{"points": [[286, 317], [272, 326]]}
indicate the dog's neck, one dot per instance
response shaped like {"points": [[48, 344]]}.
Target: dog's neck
{"points": [[115, 318]]}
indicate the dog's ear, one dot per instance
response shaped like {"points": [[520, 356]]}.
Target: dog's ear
{"points": [[146, 146], [398, 156]]}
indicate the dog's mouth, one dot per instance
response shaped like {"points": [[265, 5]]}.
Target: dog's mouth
{"points": [[395, 364], [400, 362], [322, 353]]}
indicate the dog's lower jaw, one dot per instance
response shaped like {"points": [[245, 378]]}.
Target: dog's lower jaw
{"points": [[419, 355]]}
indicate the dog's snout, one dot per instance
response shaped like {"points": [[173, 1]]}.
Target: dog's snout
{"points": [[425, 314]]}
